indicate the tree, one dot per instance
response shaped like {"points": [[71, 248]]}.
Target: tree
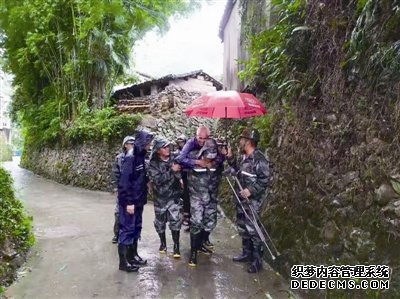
{"points": [[67, 54]]}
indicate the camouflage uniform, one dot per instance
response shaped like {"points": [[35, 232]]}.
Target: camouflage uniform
{"points": [[203, 190], [166, 192], [166, 185], [185, 193], [254, 173]]}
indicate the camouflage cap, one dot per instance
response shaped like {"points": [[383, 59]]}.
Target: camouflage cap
{"points": [[250, 133], [159, 143], [209, 149]]}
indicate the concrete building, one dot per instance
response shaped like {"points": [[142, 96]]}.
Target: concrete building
{"points": [[197, 81], [230, 32], [5, 99]]}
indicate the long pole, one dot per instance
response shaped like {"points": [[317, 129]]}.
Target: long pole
{"points": [[226, 125], [253, 221], [256, 217]]}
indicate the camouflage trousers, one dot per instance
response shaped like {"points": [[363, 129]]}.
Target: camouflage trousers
{"points": [[203, 211], [167, 211], [246, 229]]}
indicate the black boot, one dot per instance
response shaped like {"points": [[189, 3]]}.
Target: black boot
{"points": [[193, 249], [202, 248], [207, 242], [163, 245], [175, 238], [133, 256], [116, 229], [123, 261], [256, 264], [246, 255]]}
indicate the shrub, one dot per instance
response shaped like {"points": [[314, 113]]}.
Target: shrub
{"points": [[5, 152], [105, 124], [15, 226]]}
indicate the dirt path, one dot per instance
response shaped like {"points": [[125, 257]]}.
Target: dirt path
{"points": [[74, 258]]}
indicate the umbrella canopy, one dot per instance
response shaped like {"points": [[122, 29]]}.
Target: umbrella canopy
{"points": [[226, 104]]}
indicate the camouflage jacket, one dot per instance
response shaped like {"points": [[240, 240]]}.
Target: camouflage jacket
{"points": [[254, 173], [165, 182], [201, 179], [116, 169]]}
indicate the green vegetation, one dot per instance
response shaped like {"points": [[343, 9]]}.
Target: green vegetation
{"points": [[102, 124], [329, 74], [15, 227], [5, 151], [66, 56], [275, 65], [278, 56], [373, 51], [17, 141]]}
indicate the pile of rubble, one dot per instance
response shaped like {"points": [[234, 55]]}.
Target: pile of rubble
{"points": [[163, 113]]}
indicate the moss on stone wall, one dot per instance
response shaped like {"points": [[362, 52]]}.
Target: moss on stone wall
{"points": [[334, 93], [86, 165]]}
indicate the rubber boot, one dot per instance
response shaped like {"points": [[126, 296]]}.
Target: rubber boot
{"points": [[133, 256], [246, 255], [256, 264], [175, 238], [202, 248], [163, 245], [207, 242], [193, 249], [123, 261]]}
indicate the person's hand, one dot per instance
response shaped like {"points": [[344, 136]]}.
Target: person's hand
{"points": [[201, 163], [210, 164], [130, 209], [175, 167], [245, 193], [229, 153], [150, 187], [224, 150]]}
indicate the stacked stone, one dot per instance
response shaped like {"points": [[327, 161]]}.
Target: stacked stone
{"points": [[88, 164], [168, 116]]}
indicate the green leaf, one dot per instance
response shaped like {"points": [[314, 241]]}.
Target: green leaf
{"points": [[396, 186]]}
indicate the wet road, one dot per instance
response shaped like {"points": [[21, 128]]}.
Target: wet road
{"points": [[74, 258]]}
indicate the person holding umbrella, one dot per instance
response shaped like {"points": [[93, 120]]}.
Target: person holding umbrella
{"points": [[254, 175]]}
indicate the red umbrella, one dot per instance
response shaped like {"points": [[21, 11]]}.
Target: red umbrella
{"points": [[226, 104]]}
